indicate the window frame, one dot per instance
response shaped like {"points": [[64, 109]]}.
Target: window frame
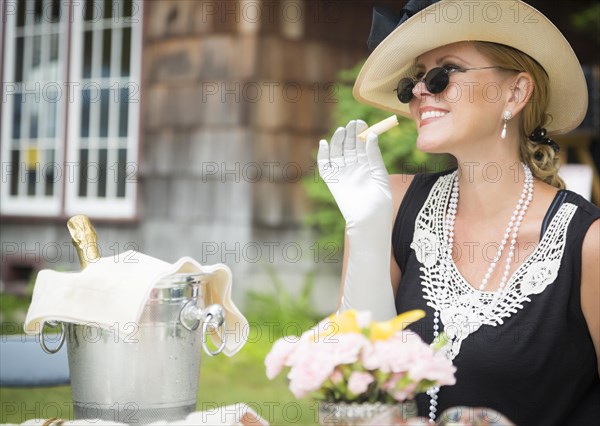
{"points": [[23, 204], [65, 200]]}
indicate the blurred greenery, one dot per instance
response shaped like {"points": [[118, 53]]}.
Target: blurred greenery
{"points": [[283, 312], [588, 21], [12, 311], [397, 147], [13, 307]]}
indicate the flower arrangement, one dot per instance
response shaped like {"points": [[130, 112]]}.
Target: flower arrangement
{"points": [[349, 358]]}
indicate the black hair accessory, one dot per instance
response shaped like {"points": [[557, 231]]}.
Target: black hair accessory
{"points": [[539, 136]]}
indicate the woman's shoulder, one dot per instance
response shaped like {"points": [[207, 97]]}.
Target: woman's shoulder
{"points": [[586, 206], [588, 222], [556, 197], [551, 200]]}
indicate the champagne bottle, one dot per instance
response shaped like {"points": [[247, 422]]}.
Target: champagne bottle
{"points": [[84, 239]]}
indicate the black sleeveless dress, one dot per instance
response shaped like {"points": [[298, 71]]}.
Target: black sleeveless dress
{"points": [[539, 366]]}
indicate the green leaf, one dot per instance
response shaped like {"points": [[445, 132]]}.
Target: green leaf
{"points": [[440, 342], [403, 382]]}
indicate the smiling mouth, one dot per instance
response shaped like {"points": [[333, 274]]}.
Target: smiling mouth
{"points": [[432, 114]]}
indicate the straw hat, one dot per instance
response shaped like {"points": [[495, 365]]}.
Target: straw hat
{"points": [[510, 22]]}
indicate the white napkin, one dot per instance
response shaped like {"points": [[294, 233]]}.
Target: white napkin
{"points": [[113, 291]]}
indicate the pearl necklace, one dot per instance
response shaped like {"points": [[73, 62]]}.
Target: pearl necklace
{"points": [[512, 231]]}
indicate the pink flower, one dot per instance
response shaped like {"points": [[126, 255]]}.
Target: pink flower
{"points": [[337, 377], [395, 355], [277, 357], [395, 363], [347, 348], [370, 357], [404, 394], [314, 362], [312, 366], [359, 381], [434, 367], [399, 393]]}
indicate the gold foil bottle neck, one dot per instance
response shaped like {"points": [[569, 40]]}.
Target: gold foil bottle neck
{"points": [[84, 239]]}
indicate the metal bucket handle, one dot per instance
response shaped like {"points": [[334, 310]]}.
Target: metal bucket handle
{"points": [[61, 339], [213, 316]]}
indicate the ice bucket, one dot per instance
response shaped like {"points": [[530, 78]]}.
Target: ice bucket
{"points": [[150, 373]]}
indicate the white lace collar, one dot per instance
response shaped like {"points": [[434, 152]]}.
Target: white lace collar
{"points": [[462, 308]]}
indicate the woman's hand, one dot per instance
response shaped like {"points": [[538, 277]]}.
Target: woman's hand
{"points": [[356, 176]]}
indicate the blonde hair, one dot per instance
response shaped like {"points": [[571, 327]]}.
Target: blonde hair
{"points": [[541, 159]]}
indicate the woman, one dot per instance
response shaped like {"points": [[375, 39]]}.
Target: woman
{"points": [[502, 258]]}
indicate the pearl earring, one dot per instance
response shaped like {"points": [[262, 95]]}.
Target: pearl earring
{"points": [[506, 116]]}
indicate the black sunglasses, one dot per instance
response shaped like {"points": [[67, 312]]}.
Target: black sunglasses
{"points": [[436, 81]]}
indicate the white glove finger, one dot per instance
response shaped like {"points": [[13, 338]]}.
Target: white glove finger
{"points": [[336, 146], [361, 146], [376, 164], [327, 170], [322, 156], [350, 143], [361, 126]]}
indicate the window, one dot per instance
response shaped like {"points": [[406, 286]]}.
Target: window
{"points": [[70, 107], [32, 124]]}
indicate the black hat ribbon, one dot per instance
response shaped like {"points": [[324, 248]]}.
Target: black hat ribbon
{"points": [[386, 20]]}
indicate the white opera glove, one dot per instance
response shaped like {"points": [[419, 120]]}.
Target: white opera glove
{"points": [[356, 176]]}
